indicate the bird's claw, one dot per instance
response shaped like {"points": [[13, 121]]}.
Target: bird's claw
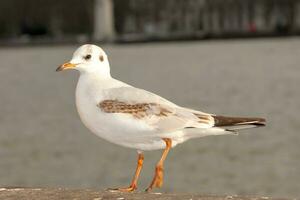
{"points": [[123, 189], [157, 180]]}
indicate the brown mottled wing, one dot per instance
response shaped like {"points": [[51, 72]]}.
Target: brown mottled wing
{"points": [[151, 109], [137, 110], [160, 117]]}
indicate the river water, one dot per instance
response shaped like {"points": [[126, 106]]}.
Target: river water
{"points": [[44, 144]]}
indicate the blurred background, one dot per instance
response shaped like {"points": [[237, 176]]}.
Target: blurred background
{"points": [[231, 57]]}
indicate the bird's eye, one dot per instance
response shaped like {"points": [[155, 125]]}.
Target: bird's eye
{"points": [[87, 57]]}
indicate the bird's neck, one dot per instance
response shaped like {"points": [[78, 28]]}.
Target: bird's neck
{"points": [[95, 81], [102, 72]]}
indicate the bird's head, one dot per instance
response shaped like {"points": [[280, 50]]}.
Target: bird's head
{"points": [[88, 58]]}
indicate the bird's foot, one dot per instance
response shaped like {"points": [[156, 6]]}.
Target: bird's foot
{"points": [[157, 179], [131, 188]]}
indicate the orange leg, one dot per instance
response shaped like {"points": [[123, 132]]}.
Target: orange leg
{"points": [[159, 169], [133, 185]]}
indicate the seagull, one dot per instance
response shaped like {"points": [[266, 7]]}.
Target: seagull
{"points": [[136, 118]]}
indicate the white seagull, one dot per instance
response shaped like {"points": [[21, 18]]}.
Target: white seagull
{"points": [[138, 119]]}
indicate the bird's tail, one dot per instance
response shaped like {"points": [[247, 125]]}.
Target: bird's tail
{"points": [[237, 123]]}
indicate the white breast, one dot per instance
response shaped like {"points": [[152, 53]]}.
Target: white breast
{"points": [[116, 128]]}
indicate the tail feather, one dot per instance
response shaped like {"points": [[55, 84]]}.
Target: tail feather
{"points": [[237, 123]]}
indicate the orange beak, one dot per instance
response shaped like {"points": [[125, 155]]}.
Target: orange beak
{"points": [[65, 66]]}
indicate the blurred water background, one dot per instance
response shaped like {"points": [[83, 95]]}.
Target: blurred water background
{"points": [[44, 144]]}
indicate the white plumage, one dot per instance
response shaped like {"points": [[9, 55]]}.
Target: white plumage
{"points": [[96, 84], [136, 118]]}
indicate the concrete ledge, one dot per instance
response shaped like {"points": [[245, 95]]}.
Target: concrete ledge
{"points": [[87, 194]]}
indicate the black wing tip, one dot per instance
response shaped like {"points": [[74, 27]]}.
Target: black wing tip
{"points": [[260, 122], [235, 121]]}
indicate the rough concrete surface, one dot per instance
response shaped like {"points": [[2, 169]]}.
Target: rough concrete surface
{"points": [[87, 194]]}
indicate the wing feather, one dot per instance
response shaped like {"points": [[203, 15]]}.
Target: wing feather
{"points": [[152, 109]]}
